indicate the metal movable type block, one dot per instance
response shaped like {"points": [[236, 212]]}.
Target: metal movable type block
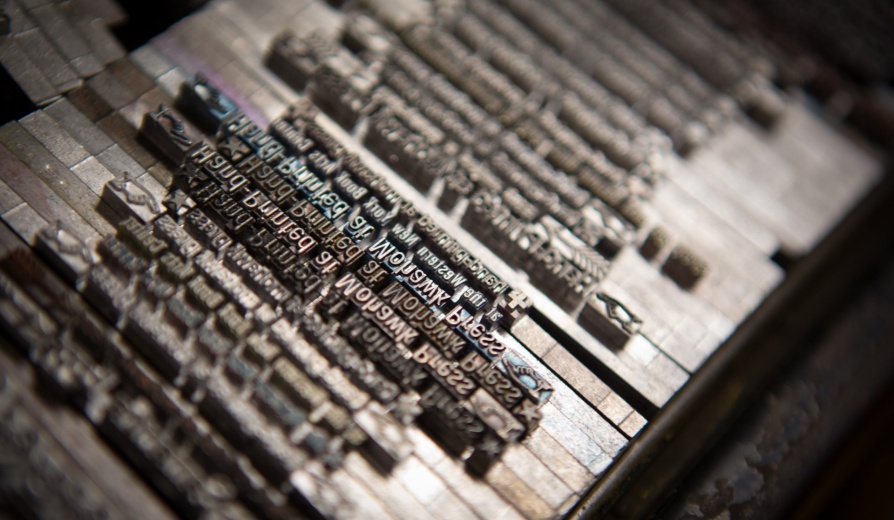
{"points": [[169, 134], [402, 237], [233, 322], [514, 306], [374, 211], [197, 289], [228, 281], [235, 150], [277, 407], [456, 188], [65, 252], [656, 241], [240, 371], [333, 454], [406, 407], [333, 306], [128, 197], [207, 231], [332, 417], [472, 300], [324, 141], [121, 258], [306, 283], [447, 421], [609, 321], [446, 372], [372, 275], [158, 341], [528, 414], [259, 350], [184, 316], [491, 319], [174, 268], [497, 383], [297, 385], [495, 416], [168, 229], [387, 444], [140, 237], [532, 384], [107, 292], [295, 141], [313, 486], [315, 441], [155, 289], [342, 389], [684, 267], [486, 452], [293, 60], [208, 106], [223, 209], [349, 188]]}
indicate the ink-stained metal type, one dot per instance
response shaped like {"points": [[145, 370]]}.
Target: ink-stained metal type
{"points": [[168, 132], [129, 197], [390, 260]]}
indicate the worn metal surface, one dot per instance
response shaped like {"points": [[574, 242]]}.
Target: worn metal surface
{"points": [[402, 259]]}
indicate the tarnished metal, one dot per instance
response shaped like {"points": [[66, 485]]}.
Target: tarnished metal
{"points": [[389, 259]]}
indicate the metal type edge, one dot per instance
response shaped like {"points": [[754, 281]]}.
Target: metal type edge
{"points": [[670, 446]]}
